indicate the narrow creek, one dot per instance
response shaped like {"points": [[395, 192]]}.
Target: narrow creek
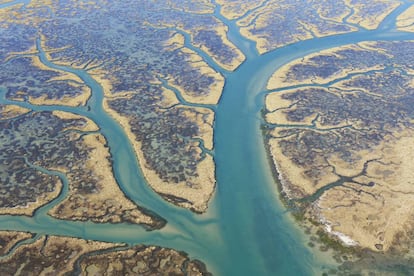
{"points": [[246, 230]]}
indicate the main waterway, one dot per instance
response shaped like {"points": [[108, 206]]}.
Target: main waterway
{"points": [[246, 230]]}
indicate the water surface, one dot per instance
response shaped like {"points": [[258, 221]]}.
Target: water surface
{"points": [[246, 230]]}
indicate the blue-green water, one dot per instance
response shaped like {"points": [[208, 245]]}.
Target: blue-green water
{"points": [[246, 230]]}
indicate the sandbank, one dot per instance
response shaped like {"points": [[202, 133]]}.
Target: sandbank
{"points": [[258, 20], [348, 169], [372, 207], [40, 3], [65, 61], [99, 75], [373, 46]]}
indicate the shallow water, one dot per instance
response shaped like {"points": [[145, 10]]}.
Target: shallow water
{"points": [[246, 230]]}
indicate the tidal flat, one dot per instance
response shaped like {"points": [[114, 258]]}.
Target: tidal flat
{"points": [[68, 144], [340, 136], [274, 24], [78, 256], [133, 137]]}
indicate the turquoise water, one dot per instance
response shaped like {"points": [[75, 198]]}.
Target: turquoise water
{"points": [[246, 231]]}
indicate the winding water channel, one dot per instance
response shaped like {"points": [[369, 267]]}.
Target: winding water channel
{"points": [[246, 231]]}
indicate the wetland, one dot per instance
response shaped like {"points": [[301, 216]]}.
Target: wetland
{"points": [[206, 137]]}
